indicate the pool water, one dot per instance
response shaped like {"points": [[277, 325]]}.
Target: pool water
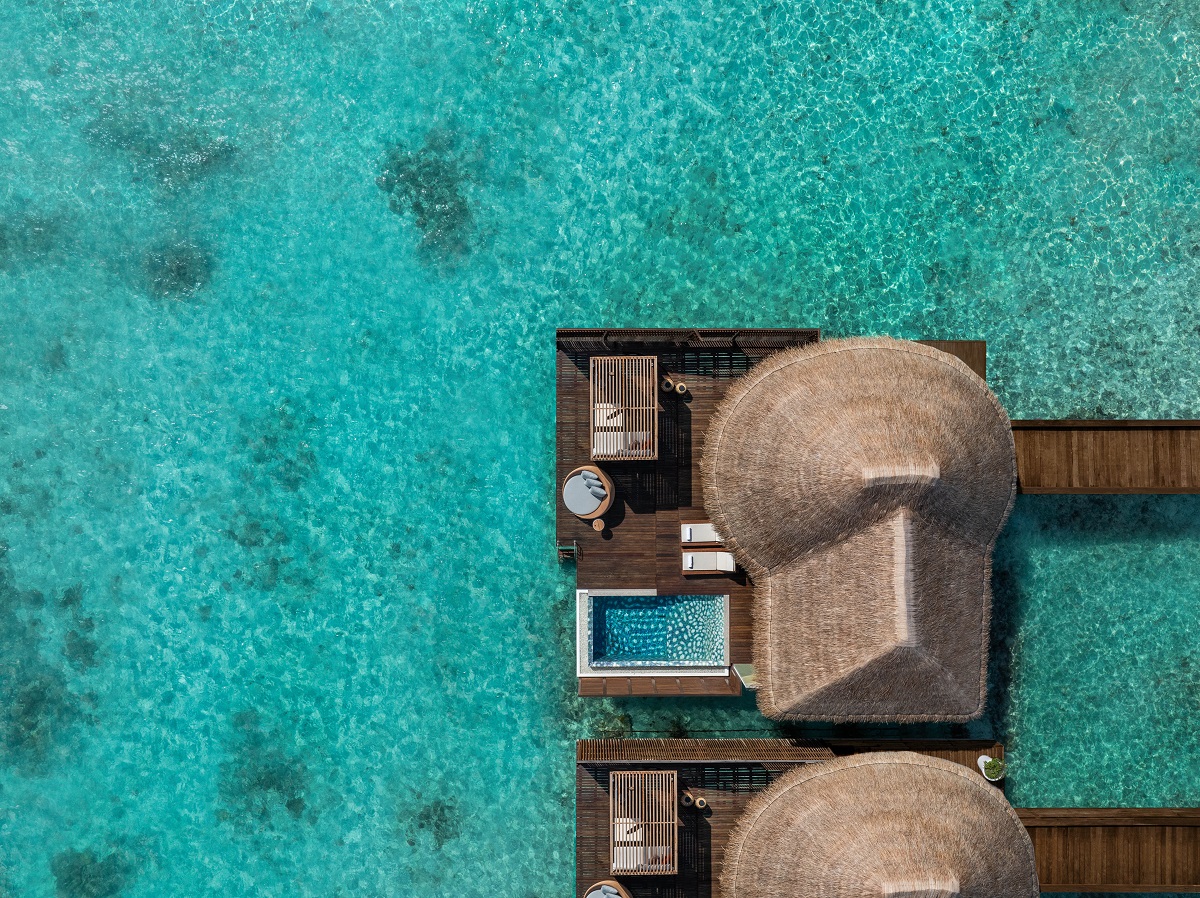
{"points": [[637, 631], [280, 613]]}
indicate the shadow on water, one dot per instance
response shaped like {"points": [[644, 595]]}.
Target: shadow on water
{"points": [[1099, 523]]}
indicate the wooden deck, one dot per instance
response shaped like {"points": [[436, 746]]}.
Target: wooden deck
{"points": [[641, 548], [1108, 456], [729, 787]]}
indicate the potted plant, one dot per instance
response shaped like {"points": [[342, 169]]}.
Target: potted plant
{"points": [[993, 769]]}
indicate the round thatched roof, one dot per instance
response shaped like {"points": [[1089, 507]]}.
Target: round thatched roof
{"points": [[863, 484], [876, 825]]}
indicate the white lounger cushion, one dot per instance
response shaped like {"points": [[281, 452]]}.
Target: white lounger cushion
{"points": [[607, 415], [698, 533], [605, 442], [709, 561]]}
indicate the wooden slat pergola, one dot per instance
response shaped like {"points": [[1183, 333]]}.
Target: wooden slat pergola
{"points": [[644, 821], [624, 401]]}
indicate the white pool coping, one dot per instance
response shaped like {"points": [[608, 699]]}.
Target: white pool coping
{"points": [[583, 614]]}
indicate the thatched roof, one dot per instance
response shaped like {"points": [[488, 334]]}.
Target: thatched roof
{"points": [[863, 484], [876, 825]]}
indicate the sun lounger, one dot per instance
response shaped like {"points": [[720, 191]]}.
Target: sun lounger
{"points": [[708, 563], [699, 533]]}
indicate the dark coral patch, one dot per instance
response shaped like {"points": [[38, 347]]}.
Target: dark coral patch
{"points": [[177, 154], [269, 563], [281, 445], [251, 533], [37, 708], [79, 648], [40, 709], [72, 596], [439, 821], [29, 236], [84, 874], [429, 184], [261, 782], [176, 269]]}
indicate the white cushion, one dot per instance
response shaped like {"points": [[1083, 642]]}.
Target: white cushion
{"points": [[709, 561], [578, 498], [698, 533]]}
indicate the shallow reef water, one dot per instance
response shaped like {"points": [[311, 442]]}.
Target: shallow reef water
{"points": [[280, 613]]}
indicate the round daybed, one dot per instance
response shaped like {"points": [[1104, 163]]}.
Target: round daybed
{"points": [[608, 888], [588, 492]]}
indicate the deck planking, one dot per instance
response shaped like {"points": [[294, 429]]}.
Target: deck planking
{"points": [[964, 752], [1115, 849], [973, 352], [1115, 457]]}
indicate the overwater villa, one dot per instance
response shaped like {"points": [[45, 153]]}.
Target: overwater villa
{"points": [[814, 520]]}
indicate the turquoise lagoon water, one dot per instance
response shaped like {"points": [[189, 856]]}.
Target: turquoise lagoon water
{"points": [[279, 608]]}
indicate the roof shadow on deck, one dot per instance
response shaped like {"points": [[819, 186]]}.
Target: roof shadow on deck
{"points": [[636, 486]]}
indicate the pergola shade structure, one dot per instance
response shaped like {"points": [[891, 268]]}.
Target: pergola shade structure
{"points": [[885, 825], [644, 821], [624, 402], [863, 484]]}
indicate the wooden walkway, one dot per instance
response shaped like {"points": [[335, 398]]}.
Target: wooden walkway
{"points": [[728, 786], [1115, 849], [1108, 456]]}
